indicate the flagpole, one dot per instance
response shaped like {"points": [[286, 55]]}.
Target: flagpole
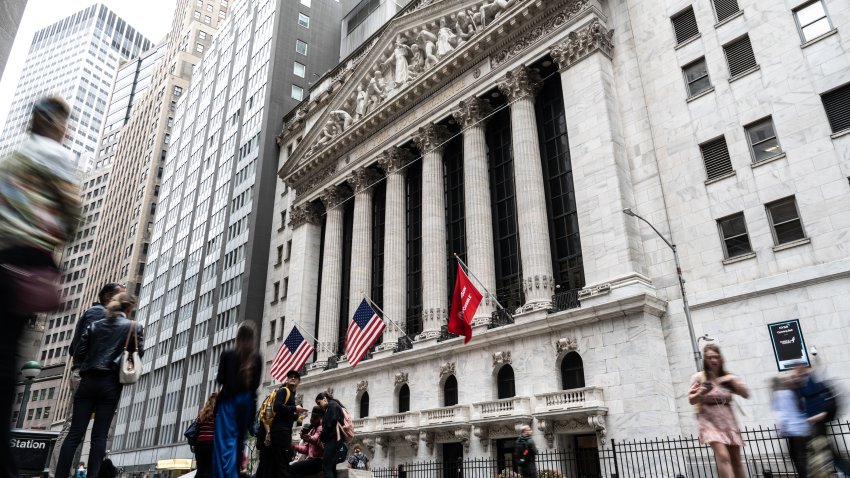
{"points": [[314, 339], [489, 294], [385, 315]]}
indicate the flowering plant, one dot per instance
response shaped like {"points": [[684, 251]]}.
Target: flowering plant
{"points": [[508, 473], [550, 474]]}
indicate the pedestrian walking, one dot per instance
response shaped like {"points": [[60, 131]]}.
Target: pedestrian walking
{"points": [[358, 460], [94, 313], [81, 471], [206, 431], [712, 392], [333, 442], [313, 449], [275, 436], [791, 420], [820, 402], [526, 453], [98, 354], [239, 371], [39, 210]]}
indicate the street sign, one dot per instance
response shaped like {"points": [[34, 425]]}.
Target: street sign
{"points": [[789, 348], [32, 449]]}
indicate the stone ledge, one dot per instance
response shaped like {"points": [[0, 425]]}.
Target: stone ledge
{"points": [[700, 95], [819, 38], [688, 41], [771, 159], [839, 134], [744, 73], [719, 178], [742, 257], [792, 244], [740, 13]]}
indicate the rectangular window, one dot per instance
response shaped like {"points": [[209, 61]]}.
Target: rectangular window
{"points": [[279, 255], [696, 77], [288, 250], [725, 9], [733, 232], [301, 47], [306, 3], [276, 292], [837, 106], [812, 20], [785, 221], [197, 15], [285, 287], [303, 20], [762, 139], [209, 7], [207, 19], [685, 25], [297, 92], [272, 326], [739, 56], [199, 47], [202, 35], [715, 155], [299, 70]]}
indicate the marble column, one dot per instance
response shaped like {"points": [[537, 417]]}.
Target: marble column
{"points": [[301, 301], [429, 139], [520, 86], [610, 240], [362, 182], [478, 214], [392, 162], [332, 197]]}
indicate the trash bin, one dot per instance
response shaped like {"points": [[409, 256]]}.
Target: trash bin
{"points": [[32, 449]]}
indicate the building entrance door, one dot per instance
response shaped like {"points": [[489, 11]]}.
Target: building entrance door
{"points": [[587, 456], [452, 460]]}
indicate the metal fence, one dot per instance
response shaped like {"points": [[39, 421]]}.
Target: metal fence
{"points": [[765, 454]]}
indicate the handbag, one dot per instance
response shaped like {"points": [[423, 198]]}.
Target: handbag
{"points": [[34, 288], [342, 452], [131, 364], [192, 433]]}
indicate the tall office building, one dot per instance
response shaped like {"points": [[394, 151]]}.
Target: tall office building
{"points": [[76, 58], [206, 270]]}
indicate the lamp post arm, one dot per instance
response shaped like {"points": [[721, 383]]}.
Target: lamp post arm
{"points": [[669, 244]]}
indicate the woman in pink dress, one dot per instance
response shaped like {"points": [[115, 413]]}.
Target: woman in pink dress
{"points": [[711, 392]]}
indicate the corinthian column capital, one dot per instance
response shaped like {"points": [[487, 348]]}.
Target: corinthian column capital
{"points": [[333, 195], [471, 111], [520, 82], [431, 137], [394, 159], [362, 178], [307, 213], [582, 43]]}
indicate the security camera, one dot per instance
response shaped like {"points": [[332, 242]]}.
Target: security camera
{"points": [[814, 351]]}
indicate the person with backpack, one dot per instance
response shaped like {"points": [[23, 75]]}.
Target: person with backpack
{"points": [[274, 438], [791, 421], [358, 460], [526, 453], [821, 405], [335, 432], [204, 443]]}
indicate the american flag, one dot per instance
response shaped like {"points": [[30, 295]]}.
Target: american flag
{"points": [[363, 330], [292, 354]]}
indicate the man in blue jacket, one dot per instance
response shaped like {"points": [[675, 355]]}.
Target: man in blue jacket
{"points": [[816, 396]]}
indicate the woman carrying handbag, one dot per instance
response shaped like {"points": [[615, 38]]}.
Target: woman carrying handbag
{"points": [[108, 355]]}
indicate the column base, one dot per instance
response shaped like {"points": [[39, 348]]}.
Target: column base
{"points": [[523, 317]]}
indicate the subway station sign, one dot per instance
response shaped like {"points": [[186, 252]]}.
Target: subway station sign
{"points": [[32, 449]]}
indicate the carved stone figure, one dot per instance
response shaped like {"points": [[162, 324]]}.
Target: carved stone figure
{"points": [[446, 39], [429, 42], [417, 62], [399, 59], [375, 90], [465, 27], [343, 118], [489, 11], [329, 132], [362, 100]]}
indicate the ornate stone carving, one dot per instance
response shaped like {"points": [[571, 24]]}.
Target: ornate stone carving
{"points": [[383, 442], [412, 439], [565, 345], [462, 434], [490, 11], [314, 180], [589, 292], [431, 137], [394, 159], [521, 82], [370, 444], [363, 178], [309, 212], [537, 34], [447, 369], [539, 282], [545, 426], [483, 435], [362, 386], [582, 43], [333, 196], [400, 378], [428, 438], [472, 111], [502, 358]]}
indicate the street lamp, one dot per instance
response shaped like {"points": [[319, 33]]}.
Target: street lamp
{"points": [[30, 371], [694, 346]]}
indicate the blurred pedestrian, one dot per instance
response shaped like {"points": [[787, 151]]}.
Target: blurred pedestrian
{"points": [[94, 313], [526, 453], [98, 355], [39, 210], [712, 391], [330, 435], [791, 420], [206, 431], [358, 460], [820, 402], [239, 371], [312, 448]]}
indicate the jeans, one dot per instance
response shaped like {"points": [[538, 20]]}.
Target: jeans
{"points": [[98, 393], [233, 416], [74, 382], [797, 450], [329, 459]]}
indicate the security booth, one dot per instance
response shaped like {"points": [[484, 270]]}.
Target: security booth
{"points": [[32, 450]]}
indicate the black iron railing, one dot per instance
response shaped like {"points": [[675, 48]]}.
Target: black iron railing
{"points": [[500, 318], [404, 343], [564, 300]]}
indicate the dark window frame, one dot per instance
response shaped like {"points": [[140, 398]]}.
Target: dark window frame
{"points": [[726, 14], [364, 405], [450, 392], [506, 385], [708, 146], [732, 61], [572, 371], [676, 21], [724, 239], [773, 225], [689, 83], [752, 145], [801, 28], [836, 105], [404, 399]]}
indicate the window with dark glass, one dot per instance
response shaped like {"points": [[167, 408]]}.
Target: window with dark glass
{"points": [[836, 103], [379, 206], [572, 371], [505, 382], [413, 225], [762, 140], [404, 399], [715, 156], [450, 397], [685, 25], [347, 231], [696, 77], [455, 221], [785, 221], [364, 405], [733, 232]]}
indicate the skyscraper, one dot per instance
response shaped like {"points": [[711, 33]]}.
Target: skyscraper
{"points": [[76, 58], [206, 267]]}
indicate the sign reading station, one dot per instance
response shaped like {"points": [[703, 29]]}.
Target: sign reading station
{"points": [[789, 348], [32, 449]]}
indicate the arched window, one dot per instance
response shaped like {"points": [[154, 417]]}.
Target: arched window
{"points": [[404, 399], [505, 381], [450, 391], [364, 405], [572, 371]]}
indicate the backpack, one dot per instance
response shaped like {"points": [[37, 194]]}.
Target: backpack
{"points": [[830, 401], [521, 451], [266, 413], [345, 430]]}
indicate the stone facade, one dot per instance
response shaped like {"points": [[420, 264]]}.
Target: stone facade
{"points": [[633, 136]]}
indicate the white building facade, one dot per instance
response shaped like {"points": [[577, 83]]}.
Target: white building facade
{"points": [[515, 133]]}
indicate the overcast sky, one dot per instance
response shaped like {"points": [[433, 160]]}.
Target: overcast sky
{"points": [[150, 17]]}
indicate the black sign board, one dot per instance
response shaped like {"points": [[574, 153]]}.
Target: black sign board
{"points": [[789, 348], [32, 449]]}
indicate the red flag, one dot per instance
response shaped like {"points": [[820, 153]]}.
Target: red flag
{"points": [[465, 302]]}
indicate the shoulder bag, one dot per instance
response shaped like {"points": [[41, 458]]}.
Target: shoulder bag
{"points": [[131, 364]]}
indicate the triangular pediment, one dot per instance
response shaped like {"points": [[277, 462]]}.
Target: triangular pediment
{"points": [[416, 45]]}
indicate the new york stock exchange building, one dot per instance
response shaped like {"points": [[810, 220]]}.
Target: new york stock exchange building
{"points": [[514, 134]]}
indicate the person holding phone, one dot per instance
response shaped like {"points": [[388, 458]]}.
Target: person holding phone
{"points": [[711, 392]]}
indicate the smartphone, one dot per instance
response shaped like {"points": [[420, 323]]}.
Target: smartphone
{"points": [[707, 385]]}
